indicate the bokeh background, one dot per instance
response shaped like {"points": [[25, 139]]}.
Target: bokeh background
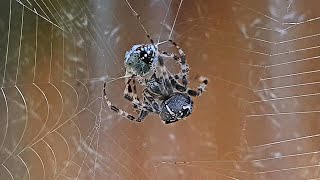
{"points": [[259, 118]]}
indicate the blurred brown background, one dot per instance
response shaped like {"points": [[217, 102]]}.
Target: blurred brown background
{"points": [[257, 120]]}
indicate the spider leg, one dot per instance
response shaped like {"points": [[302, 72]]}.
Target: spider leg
{"points": [[134, 93], [147, 97], [127, 93], [183, 64], [170, 55], [184, 72], [189, 91], [150, 98], [143, 114], [130, 93], [120, 112], [164, 74]]}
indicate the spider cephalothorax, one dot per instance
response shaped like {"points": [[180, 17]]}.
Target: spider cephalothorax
{"points": [[155, 85], [140, 59]]}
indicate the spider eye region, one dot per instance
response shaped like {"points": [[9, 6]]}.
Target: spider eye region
{"points": [[176, 107]]}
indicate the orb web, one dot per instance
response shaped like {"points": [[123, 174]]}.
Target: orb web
{"points": [[257, 120]]}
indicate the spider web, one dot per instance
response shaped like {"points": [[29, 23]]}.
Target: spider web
{"points": [[257, 120]]}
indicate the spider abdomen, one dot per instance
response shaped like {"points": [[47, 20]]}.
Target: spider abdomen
{"points": [[177, 106], [137, 68], [140, 59]]}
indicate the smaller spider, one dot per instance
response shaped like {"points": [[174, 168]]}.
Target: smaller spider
{"points": [[163, 95]]}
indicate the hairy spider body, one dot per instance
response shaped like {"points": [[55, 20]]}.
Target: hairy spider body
{"points": [[140, 59], [173, 105], [178, 106]]}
